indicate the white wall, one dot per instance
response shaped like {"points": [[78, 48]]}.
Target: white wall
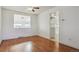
{"points": [[0, 24], [7, 25], [43, 19], [69, 29]]}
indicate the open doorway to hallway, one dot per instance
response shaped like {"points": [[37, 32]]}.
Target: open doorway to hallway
{"points": [[54, 28]]}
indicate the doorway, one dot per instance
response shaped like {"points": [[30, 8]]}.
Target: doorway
{"points": [[54, 28]]}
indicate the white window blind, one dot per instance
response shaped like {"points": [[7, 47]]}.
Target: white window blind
{"points": [[22, 21]]}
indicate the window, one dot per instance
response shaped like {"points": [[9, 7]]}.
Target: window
{"points": [[22, 21]]}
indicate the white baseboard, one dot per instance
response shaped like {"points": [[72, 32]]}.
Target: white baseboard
{"points": [[44, 36], [68, 45], [49, 38]]}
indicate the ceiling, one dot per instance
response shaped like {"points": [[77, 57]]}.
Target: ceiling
{"points": [[25, 9]]}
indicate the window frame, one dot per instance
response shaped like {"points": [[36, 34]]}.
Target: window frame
{"points": [[21, 23]]}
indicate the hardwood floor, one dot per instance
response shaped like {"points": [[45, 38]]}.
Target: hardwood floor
{"points": [[39, 44], [34, 44]]}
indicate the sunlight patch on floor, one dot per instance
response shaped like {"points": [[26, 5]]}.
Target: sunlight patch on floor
{"points": [[23, 47]]}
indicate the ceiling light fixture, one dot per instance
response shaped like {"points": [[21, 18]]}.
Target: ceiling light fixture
{"points": [[33, 9]]}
